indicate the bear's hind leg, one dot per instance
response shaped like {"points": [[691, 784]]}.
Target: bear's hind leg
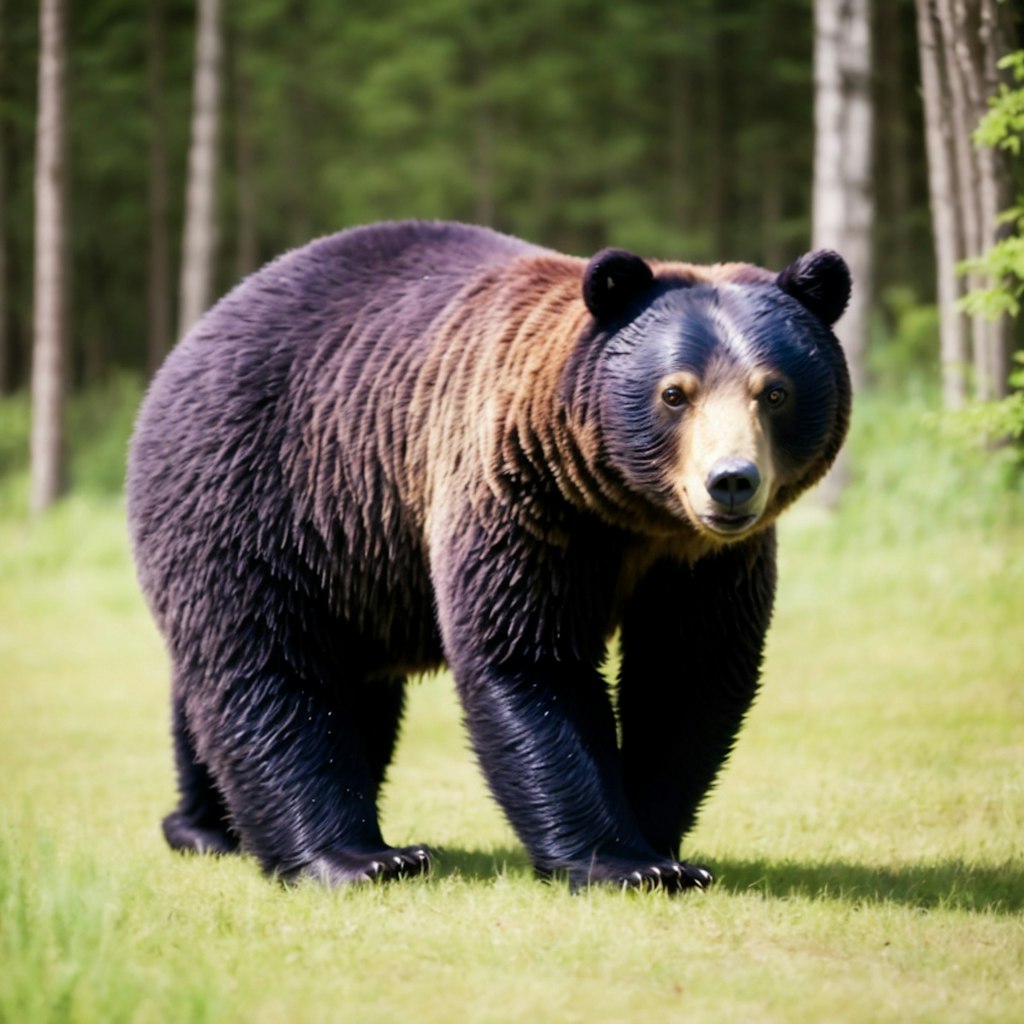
{"points": [[300, 763], [376, 708], [200, 822]]}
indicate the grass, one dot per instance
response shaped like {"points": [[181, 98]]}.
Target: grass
{"points": [[867, 834]]}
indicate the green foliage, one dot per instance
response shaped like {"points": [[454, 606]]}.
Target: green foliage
{"points": [[1002, 127], [918, 469], [1004, 265], [998, 425], [15, 430], [902, 340], [99, 423]]}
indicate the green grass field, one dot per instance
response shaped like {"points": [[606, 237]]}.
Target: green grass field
{"points": [[868, 834]]}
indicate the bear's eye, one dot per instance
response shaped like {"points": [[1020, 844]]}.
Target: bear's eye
{"points": [[775, 397], [674, 397]]}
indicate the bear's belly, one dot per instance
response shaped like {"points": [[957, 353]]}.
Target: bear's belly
{"points": [[397, 636], [386, 606]]}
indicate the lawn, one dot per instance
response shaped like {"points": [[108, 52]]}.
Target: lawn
{"points": [[867, 835]]}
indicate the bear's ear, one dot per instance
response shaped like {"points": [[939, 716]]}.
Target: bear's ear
{"points": [[612, 280], [820, 281]]}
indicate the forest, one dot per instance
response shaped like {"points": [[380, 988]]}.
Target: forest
{"points": [[682, 129]]}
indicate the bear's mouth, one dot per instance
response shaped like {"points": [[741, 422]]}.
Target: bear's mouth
{"points": [[728, 524]]}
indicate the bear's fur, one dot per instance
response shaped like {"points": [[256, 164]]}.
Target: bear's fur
{"points": [[416, 443]]}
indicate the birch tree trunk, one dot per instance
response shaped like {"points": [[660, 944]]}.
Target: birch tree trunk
{"points": [[943, 190], [50, 285], [994, 40], [960, 43], [960, 30], [843, 202], [200, 238]]}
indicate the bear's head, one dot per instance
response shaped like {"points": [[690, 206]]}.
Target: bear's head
{"points": [[721, 393]]}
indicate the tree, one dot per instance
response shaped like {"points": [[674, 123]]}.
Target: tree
{"points": [[1003, 128], [961, 43], [200, 237], [843, 200], [50, 295], [942, 188]]}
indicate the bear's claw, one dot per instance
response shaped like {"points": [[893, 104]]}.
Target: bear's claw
{"points": [[671, 876], [339, 867], [675, 878], [184, 835]]}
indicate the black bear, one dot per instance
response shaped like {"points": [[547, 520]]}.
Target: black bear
{"points": [[415, 443]]}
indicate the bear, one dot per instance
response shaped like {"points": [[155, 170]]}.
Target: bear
{"points": [[420, 443]]}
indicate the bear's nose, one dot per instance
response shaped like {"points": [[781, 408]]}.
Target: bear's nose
{"points": [[733, 482]]}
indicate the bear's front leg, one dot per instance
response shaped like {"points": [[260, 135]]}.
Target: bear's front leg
{"points": [[692, 642], [544, 734], [523, 637]]}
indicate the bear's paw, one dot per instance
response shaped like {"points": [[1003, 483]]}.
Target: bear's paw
{"points": [[339, 867], [667, 876], [187, 836]]}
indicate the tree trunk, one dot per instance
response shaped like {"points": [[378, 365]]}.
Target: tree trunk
{"points": [[961, 41], [960, 22], [995, 191], [200, 239], [158, 299], [50, 299], [843, 204], [943, 191]]}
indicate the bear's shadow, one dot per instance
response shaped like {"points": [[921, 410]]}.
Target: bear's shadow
{"points": [[480, 865], [951, 885]]}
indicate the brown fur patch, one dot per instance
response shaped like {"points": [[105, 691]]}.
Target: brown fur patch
{"points": [[712, 274], [490, 400]]}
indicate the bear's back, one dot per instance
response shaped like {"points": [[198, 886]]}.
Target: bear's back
{"points": [[334, 281], [341, 277], [312, 312], [286, 388]]}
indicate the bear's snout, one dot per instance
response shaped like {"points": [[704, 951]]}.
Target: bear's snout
{"points": [[733, 483], [731, 498]]}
